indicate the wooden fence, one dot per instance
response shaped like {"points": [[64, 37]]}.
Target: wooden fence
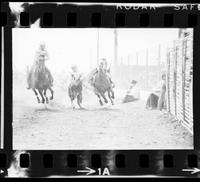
{"points": [[147, 78], [180, 80], [144, 66]]}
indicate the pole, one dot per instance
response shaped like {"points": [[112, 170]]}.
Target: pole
{"points": [[115, 47], [159, 62], [128, 59], [137, 58], [147, 74], [115, 52], [97, 46], [128, 67]]}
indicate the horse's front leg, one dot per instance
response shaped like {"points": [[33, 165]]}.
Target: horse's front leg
{"points": [[110, 97], [102, 95], [45, 95], [52, 93], [112, 92], [98, 95], [38, 99], [41, 94]]}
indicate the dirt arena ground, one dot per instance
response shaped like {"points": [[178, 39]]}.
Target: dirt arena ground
{"points": [[122, 126]]}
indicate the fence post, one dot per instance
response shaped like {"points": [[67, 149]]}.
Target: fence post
{"points": [[175, 78], [184, 69], [137, 58], [147, 64], [115, 53], [159, 60], [128, 68], [167, 80], [97, 46]]}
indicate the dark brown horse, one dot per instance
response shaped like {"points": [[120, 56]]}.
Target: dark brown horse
{"points": [[40, 81], [102, 85], [75, 92]]}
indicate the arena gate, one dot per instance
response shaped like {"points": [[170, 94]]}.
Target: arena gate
{"points": [[180, 79]]}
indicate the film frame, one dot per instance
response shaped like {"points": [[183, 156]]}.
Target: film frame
{"points": [[120, 163]]}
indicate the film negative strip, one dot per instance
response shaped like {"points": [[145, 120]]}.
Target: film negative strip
{"points": [[100, 89]]}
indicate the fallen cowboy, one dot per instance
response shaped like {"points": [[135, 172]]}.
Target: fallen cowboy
{"points": [[132, 93]]}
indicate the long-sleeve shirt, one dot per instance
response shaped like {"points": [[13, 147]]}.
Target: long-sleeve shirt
{"points": [[41, 56], [73, 77]]}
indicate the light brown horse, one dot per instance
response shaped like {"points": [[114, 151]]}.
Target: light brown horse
{"points": [[40, 81], [102, 85]]}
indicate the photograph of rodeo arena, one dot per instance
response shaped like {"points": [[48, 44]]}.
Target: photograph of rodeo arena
{"points": [[99, 88]]}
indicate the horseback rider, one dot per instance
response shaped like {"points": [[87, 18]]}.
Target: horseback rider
{"points": [[41, 56], [106, 69], [39, 64]]}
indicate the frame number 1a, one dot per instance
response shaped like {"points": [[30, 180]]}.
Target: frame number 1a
{"points": [[103, 172]]}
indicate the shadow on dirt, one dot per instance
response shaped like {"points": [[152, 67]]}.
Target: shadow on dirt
{"points": [[105, 109], [48, 109], [95, 109]]}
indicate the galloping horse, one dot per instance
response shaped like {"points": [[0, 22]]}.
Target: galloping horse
{"points": [[102, 85], [39, 80], [75, 92]]}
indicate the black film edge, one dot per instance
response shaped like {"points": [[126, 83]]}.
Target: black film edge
{"points": [[153, 162]]}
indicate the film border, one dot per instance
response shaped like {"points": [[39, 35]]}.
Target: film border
{"points": [[155, 21]]}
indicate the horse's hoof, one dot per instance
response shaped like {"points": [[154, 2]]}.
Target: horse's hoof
{"points": [[101, 103], [106, 101], [51, 98], [47, 101]]}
